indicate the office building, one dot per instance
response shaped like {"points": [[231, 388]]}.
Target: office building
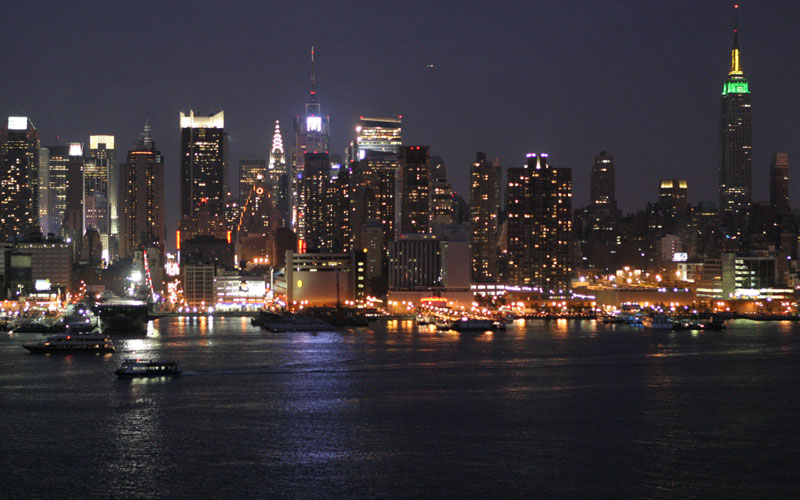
{"points": [[73, 226], [250, 169], [203, 176], [602, 185], [19, 177], [412, 191], [311, 137], [58, 164], [484, 217], [103, 155], [779, 184], [142, 201], [279, 175], [384, 135], [673, 197], [736, 143]]}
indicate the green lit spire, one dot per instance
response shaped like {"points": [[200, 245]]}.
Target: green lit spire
{"points": [[736, 84]]}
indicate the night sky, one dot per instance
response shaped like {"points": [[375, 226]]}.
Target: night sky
{"points": [[640, 79]]}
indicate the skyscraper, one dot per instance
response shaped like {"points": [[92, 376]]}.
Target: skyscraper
{"points": [[44, 190], [311, 137], [19, 177], [602, 185], [317, 231], [539, 211], [673, 197], [202, 173], [412, 191], [376, 134], [58, 164], [279, 175], [779, 183], [142, 202], [250, 169], [484, 208], [735, 175], [103, 155], [73, 225]]}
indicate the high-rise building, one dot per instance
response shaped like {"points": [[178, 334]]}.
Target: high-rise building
{"points": [[779, 183], [73, 225], [736, 143], [484, 217], [539, 223], [602, 185], [143, 206], [279, 175], [317, 232], [412, 191], [673, 197], [250, 169], [105, 190], [384, 135], [441, 193], [311, 137], [19, 177], [58, 161], [203, 179], [44, 190]]}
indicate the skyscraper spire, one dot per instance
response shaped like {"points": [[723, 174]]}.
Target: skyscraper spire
{"points": [[735, 67], [313, 91], [277, 139]]}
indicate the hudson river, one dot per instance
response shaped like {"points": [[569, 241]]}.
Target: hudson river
{"points": [[543, 410]]}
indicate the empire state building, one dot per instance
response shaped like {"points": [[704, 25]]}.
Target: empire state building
{"points": [[736, 143]]}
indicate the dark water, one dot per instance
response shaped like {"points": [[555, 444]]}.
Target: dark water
{"points": [[544, 410]]}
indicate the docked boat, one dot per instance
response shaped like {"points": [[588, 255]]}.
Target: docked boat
{"points": [[122, 316], [657, 322], [68, 343], [275, 322], [443, 325], [474, 325], [146, 368]]}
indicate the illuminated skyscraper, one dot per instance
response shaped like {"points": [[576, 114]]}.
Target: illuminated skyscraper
{"points": [[44, 190], [73, 225], [279, 175], [383, 135], [673, 197], [412, 191], [735, 175], [311, 137], [602, 185], [202, 173], [105, 190], [483, 222], [143, 206], [250, 169], [539, 211], [317, 232], [58, 162], [19, 177], [779, 183]]}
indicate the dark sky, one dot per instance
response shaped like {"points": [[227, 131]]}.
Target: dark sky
{"points": [[638, 78]]}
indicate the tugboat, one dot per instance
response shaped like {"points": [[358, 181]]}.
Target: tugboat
{"points": [[68, 343], [144, 368]]}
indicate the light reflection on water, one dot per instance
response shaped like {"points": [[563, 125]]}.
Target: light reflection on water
{"points": [[395, 411]]}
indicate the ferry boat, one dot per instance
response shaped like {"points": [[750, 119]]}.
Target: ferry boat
{"points": [[145, 368], [72, 343]]}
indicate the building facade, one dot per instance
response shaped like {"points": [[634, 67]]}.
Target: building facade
{"points": [[485, 178], [143, 203], [19, 177]]}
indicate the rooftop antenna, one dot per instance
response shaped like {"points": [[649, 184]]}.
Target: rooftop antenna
{"points": [[313, 92]]}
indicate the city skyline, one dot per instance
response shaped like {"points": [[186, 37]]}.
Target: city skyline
{"points": [[581, 115]]}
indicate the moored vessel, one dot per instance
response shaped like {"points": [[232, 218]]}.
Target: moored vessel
{"points": [[67, 343], [275, 322]]}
